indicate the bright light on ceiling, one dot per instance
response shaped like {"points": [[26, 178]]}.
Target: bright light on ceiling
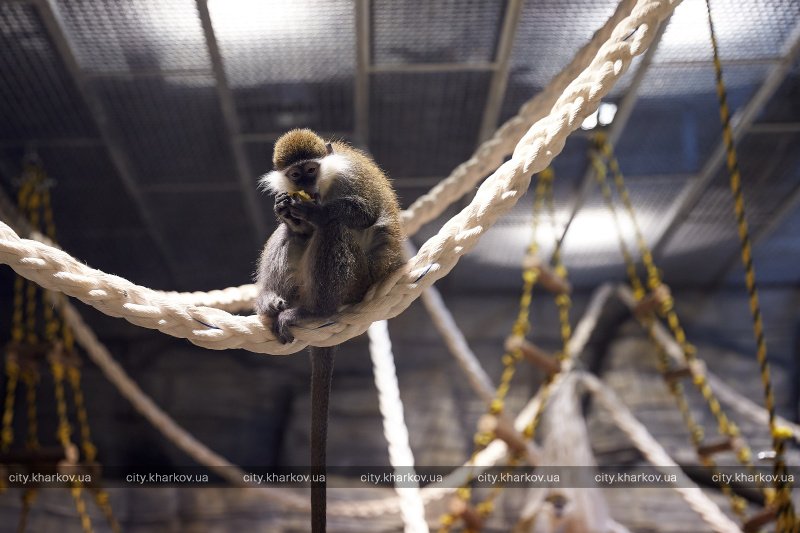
{"points": [[273, 19]]}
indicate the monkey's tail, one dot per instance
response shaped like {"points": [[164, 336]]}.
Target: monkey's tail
{"points": [[321, 375]]}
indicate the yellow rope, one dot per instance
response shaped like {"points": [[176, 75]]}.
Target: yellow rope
{"points": [[786, 514], [563, 303], [510, 358], [28, 497], [7, 433], [654, 282], [34, 200], [696, 432]]}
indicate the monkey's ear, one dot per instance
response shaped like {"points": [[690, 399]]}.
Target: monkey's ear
{"points": [[329, 148]]}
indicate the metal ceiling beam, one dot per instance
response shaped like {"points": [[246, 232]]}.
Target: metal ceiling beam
{"points": [[623, 115], [752, 62], [497, 89], [188, 188], [67, 142], [774, 127], [56, 29], [151, 73], [410, 68], [361, 94], [247, 180], [741, 121]]}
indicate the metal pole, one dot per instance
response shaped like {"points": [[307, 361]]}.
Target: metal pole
{"points": [[247, 181], [51, 18]]}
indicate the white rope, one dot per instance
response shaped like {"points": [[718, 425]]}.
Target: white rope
{"points": [[658, 456], [394, 427], [216, 329]]}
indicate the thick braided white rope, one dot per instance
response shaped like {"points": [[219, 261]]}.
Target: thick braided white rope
{"points": [[394, 426], [487, 156], [216, 329], [658, 456]]}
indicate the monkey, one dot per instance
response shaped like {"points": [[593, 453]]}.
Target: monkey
{"points": [[338, 234]]}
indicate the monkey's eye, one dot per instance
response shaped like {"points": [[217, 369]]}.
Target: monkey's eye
{"points": [[311, 169], [294, 174]]}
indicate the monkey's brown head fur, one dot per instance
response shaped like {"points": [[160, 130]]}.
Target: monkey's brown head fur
{"points": [[297, 145]]}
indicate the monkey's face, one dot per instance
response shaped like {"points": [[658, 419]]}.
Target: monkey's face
{"points": [[303, 175], [313, 175]]}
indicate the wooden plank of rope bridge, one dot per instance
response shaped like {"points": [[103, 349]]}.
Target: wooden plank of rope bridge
{"points": [[533, 354], [504, 430], [760, 519], [694, 368], [723, 444], [547, 277], [653, 301]]}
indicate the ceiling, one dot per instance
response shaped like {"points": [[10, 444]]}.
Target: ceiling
{"points": [[154, 119]]}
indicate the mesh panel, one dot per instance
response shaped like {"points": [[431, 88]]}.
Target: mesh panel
{"points": [[707, 241], [127, 252], [288, 75], [446, 31], [549, 34], [591, 249], [425, 124], [323, 106], [784, 106], [745, 30], [173, 130], [260, 156], [260, 47], [776, 259], [135, 35], [37, 97], [207, 229], [84, 181], [675, 124]]}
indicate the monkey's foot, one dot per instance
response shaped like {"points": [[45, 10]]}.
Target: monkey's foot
{"points": [[282, 324], [270, 305]]}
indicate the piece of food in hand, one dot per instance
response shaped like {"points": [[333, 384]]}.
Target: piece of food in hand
{"points": [[302, 195]]}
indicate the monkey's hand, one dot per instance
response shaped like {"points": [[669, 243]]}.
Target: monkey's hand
{"points": [[283, 203], [311, 212]]}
